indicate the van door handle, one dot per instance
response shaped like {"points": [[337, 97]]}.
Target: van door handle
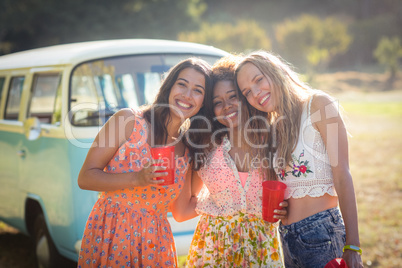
{"points": [[21, 153]]}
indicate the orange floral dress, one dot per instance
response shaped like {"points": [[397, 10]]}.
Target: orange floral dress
{"points": [[129, 227]]}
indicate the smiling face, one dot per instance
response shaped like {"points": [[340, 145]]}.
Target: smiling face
{"points": [[255, 86], [187, 94], [226, 103]]}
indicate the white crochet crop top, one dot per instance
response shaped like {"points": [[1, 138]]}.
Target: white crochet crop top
{"points": [[309, 172]]}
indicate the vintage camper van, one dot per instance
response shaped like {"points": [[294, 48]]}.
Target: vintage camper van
{"points": [[53, 101]]}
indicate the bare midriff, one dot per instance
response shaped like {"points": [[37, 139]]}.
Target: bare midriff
{"points": [[301, 208]]}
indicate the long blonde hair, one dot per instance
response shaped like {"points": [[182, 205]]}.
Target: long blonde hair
{"points": [[292, 93]]}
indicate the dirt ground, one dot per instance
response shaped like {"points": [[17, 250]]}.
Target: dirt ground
{"points": [[375, 149], [16, 249]]}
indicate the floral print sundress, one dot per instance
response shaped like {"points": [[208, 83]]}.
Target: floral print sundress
{"points": [[242, 240], [129, 227], [231, 231]]}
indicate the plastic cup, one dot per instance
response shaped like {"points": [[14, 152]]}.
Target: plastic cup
{"points": [[165, 153], [336, 263], [273, 193]]}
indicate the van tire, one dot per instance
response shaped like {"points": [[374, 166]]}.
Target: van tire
{"points": [[46, 253]]}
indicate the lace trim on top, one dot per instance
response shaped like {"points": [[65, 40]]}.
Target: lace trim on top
{"points": [[309, 172], [310, 187]]}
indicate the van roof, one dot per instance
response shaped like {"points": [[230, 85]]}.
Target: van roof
{"points": [[79, 52]]}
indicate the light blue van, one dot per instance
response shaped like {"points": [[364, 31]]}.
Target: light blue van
{"points": [[53, 102]]}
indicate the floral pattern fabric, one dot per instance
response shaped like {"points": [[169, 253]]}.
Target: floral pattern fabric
{"points": [[223, 193], [129, 227], [242, 240], [298, 167], [231, 231], [309, 172]]}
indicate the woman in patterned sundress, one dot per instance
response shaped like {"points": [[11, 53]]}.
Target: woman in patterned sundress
{"points": [[231, 231], [128, 225]]}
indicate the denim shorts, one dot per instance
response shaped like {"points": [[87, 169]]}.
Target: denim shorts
{"points": [[313, 241]]}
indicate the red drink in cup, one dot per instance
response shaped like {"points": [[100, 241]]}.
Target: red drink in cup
{"points": [[336, 263], [273, 193], [167, 154]]}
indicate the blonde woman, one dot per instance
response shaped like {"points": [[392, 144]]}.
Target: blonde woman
{"points": [[310, 155]]}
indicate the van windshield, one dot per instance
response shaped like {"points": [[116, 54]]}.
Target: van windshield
{"points": [[100, 88]]}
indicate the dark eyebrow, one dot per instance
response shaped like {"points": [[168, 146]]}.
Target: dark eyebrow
{"points": [[187, 82], [182, 79], [201, 87], [226, 93], [216, 96]]}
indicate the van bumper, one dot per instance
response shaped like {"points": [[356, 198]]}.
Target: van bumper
{"points": [[77, 246]]}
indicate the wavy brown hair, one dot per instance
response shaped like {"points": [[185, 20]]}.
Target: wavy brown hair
{"points": [[160, 108], [284, 122]]}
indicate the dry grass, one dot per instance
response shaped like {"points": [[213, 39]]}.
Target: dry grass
{"points": [[354, 82], [374, 120]]}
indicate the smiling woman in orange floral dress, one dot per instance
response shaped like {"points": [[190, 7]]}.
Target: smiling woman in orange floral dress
{"points": [[128, 226]]}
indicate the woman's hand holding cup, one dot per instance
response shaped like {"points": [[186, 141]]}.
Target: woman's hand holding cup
{"points": [[151, 170], [282, 213]]}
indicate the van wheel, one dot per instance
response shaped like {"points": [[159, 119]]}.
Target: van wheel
{"points": [[46, 252]]}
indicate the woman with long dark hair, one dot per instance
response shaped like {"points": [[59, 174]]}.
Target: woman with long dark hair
{"points": [[128, 225]]}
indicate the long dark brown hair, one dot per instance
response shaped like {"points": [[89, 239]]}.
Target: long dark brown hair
{"points": [[160, 107]]}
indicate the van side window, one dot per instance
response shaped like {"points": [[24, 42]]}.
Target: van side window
{"points": [[2, 80], [43, 98], [56, 118], [14, 98]]}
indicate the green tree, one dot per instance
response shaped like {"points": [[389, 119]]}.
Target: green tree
{"points": [[310, 42], [388, 53], [244, 35], [28, 24]]}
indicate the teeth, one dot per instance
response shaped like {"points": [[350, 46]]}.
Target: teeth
{"points": [[231, 115], [185, 105], [265, 98]]}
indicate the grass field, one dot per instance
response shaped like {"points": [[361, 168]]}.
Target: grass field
{"points": [[375, 123], [374, 120]]}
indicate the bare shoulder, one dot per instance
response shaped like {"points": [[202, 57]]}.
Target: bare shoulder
{"points": [[324, 110], [121, 125], [123, 118], [323, 101], [125, 114]]}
